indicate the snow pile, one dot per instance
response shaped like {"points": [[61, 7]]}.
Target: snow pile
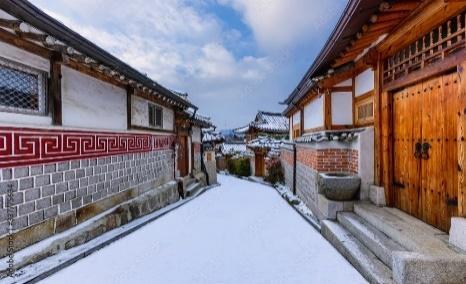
{"points": [[294, 200], [234, 149]]}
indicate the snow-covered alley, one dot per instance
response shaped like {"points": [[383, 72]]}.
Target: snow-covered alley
{"points": [[240, 232]]}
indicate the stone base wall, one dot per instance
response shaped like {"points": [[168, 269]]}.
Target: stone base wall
{"points": [[63, 194]]}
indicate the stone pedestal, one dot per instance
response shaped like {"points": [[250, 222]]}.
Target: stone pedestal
{"points": [[458, 232], [329, 208], [377, 195]]}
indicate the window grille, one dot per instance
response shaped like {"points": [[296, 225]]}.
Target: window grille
{"points": [[22, 89], [438, 44], [364, 110], [155, 116]]}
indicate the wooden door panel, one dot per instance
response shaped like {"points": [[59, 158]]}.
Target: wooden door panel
{"points": [[427, 113], [183, 158]]}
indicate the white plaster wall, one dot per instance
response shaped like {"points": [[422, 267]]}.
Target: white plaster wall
{"points": [[297, 118], [15, 54], [21, 56], [196, 135], [364, 82], [91, 103], [342, 108], [314, 113], [366, 163], [347, 83], [140, 113]]}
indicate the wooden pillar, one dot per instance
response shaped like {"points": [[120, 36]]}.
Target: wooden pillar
{"points": [[129, 106], [387, 146], [377, 122], [301, 130], [327, 109], [462, 140], [55, 96]]}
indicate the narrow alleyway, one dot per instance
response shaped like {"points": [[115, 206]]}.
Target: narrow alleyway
{"points": [[240, 232]]}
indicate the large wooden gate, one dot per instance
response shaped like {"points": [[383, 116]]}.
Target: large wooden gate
{"points": [[425, 148]]}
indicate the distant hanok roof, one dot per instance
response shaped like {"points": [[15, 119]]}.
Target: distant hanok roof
{"points": [[265, 143], [196, 119], [270, 122], [22, 21], [212, 136], [362, 23]]}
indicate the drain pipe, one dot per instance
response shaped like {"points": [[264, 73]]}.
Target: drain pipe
{"points": [[294, 168]]}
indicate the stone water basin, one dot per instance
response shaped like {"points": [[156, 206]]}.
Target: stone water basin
{"points": [[339, 186]]}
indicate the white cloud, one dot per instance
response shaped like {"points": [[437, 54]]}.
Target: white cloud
{"points": [[279, 24]]}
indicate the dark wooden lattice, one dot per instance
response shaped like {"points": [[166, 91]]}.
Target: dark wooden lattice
{"points": [[438, 44]]}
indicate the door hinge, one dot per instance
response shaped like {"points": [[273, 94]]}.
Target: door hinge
{"points": [[452, 201]]}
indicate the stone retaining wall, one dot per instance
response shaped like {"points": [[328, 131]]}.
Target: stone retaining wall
{"points": [[50, 198]]}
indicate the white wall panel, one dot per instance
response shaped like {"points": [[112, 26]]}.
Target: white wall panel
{"points": [[364, 82], [90, 103], [314, 113], [342, 108]]}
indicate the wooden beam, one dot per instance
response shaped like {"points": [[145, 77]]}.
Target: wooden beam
{"points": [[398, 6], [10, 24], [21, 43], [431, 16], [55, 95], [342, 89]]}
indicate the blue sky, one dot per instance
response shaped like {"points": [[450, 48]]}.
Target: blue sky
{"points": [[233, 57]]}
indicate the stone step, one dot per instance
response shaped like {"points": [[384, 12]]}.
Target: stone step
{"points": [[190, 181], [193, 189], [404, 229], [366, 262], [379, 243]]}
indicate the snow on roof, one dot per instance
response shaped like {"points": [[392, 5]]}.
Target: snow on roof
{"points": [[242, 130], [210, 135], [199, 119], [271, 122], [265, 142], [234, 148]]}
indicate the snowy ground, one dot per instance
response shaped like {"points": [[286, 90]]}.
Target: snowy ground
{"points": [[241, 232]]}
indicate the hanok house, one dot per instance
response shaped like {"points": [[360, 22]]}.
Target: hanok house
{"points": [[385, 99], [267, 129], [82, 132]]}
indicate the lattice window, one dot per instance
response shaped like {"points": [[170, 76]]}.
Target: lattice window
{"points": [[155, 116], [22, 89], [364, 110], [439, 43]]}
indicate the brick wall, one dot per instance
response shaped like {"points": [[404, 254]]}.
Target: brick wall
{"points": [[286, 158], [45, 191], [329, 160]]}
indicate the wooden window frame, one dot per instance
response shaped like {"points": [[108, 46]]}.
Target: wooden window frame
{"points": [[360, 101], [152, 116]]}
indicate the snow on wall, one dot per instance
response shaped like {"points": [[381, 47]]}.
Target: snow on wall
{"points": [[140, 114], [314, 113], [21, 56], [91, 103], [342, 108], [364, 82]]}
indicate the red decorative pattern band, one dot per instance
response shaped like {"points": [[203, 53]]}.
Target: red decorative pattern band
{"points": [[25, 146]]}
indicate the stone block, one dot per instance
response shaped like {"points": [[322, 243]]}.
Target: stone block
{"points": [[27, 208], [377, 195], [21, 172], [411, 267], [70, 175], [7, 174], [50, 168], [37, 170], [51, 212], [458, 233], [8, 185], [329, 208], [65, 207], [36, 217], [28, 236], [57, 177], [43, 203], [64, 221], [31, 194], [43, 180], [20, 223], [26, 183], [48, 190], [63, 166]]}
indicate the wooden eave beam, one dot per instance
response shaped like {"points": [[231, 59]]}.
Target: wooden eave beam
{"points": [[10, 24], [22, 43], [398, 6], [433, 14]]}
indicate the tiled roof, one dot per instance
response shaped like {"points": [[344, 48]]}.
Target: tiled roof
{"points": [[232, 149], [271, 122], [265, 143]]}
